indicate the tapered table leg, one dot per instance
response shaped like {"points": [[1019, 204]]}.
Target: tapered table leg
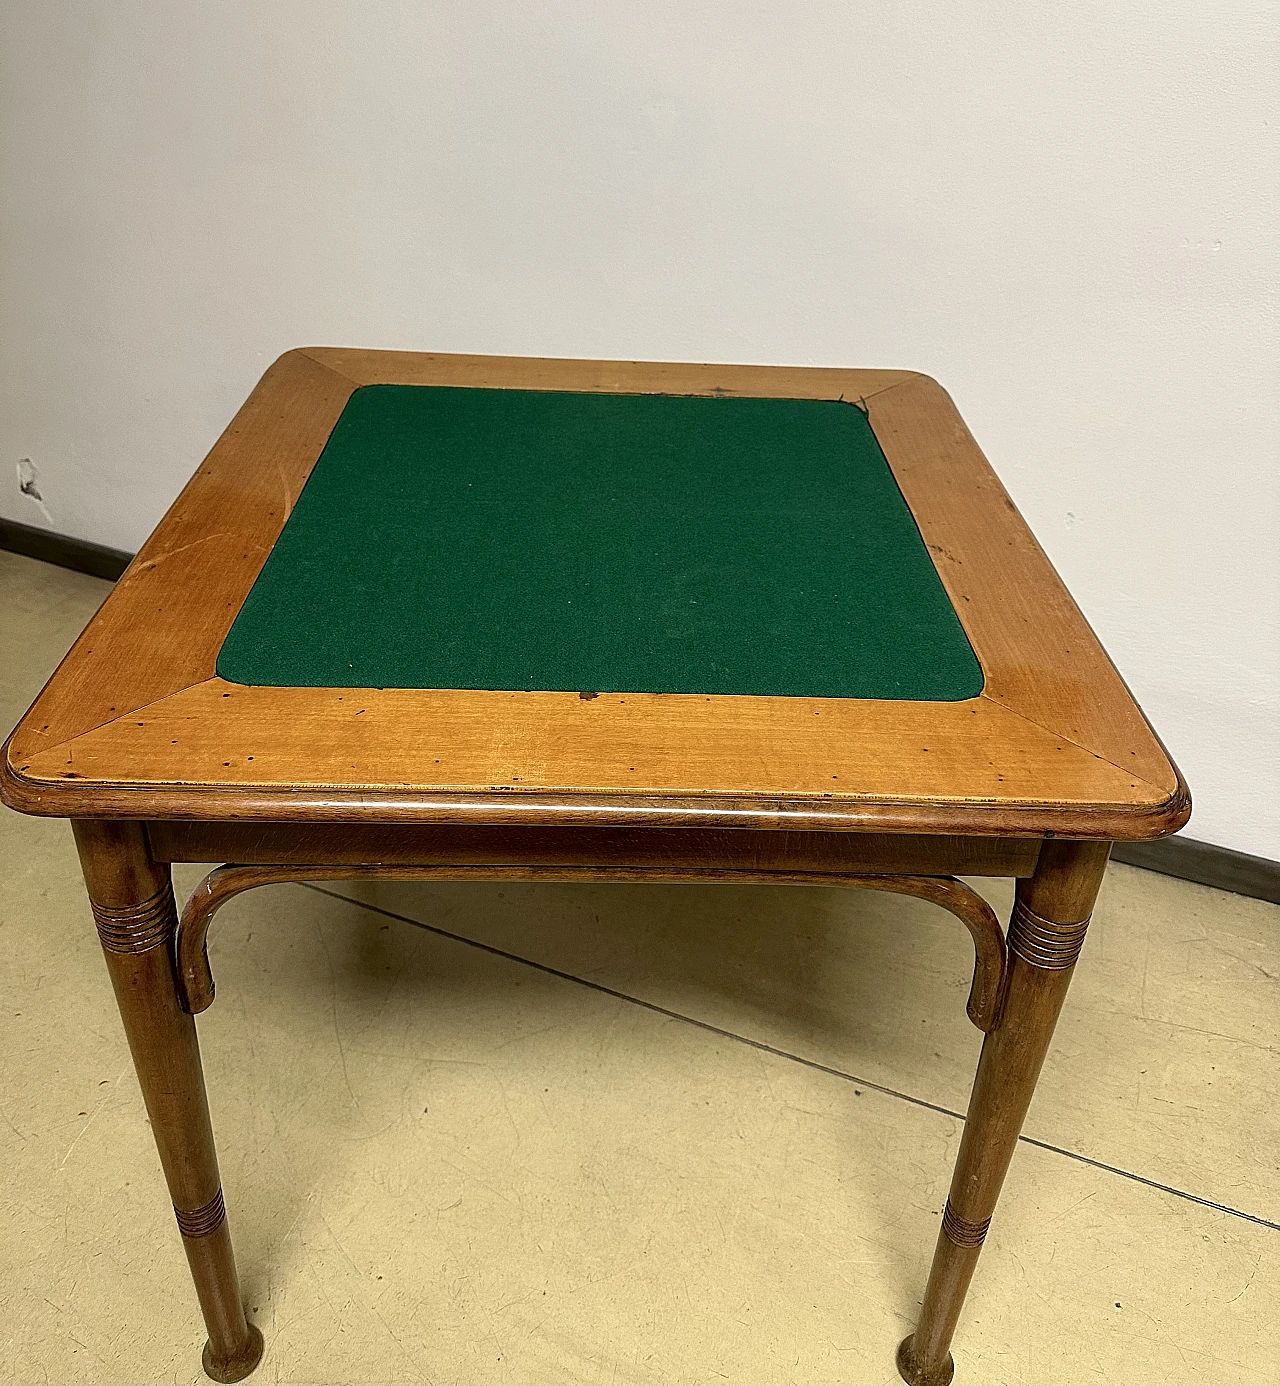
{"points": [[1050, 915], [133, 906]]}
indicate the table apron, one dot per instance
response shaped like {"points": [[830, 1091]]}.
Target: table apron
{"points": [[365, 844]]}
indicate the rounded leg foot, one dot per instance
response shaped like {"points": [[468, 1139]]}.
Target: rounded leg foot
{"points": [[240, 1364], [917, 1373]]}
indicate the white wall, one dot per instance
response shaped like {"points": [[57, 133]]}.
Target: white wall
{"points": [[1068, 214]]}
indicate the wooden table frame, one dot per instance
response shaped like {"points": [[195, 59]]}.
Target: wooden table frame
{"points": [[156, 760]]}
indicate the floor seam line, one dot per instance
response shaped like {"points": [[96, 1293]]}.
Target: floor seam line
{"points": [[763, 1047]]}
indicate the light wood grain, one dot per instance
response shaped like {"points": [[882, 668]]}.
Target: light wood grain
{"points": [[836, 749], [605, 377], [162, 626], [134, 723], [1039, 655]]}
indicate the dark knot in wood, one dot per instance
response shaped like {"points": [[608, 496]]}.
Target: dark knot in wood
{"points": [[137, 928], [1044, 942]]}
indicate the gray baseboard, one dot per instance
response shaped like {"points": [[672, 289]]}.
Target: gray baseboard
{"points": [[78, 554], [1219, 867]]}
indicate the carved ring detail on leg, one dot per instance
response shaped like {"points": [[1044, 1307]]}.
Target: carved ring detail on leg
{"points": [[1044, 942], [136, 928], [960, 1231], [199, 1222]]}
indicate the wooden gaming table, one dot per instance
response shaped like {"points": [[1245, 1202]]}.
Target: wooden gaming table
{"points": [[463, 617]]}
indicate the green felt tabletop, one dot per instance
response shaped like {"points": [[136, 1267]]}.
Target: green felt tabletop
{"points": [[522, 539]]}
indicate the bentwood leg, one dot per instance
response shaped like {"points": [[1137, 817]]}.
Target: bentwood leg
{"points": [[133, 906], [1047, 929]]}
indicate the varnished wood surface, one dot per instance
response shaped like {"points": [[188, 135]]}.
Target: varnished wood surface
{"points": [[160, 629], [1041, 658], [136, 724], [482, 844], [195, 979], [133, 907], [315, 783], [160, 973], [1051, 914]]}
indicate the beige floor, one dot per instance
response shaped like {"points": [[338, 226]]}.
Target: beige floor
{"points": [[620, 1133]]}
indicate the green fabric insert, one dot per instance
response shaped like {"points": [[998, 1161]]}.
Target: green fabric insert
{"points": [[520, 539]]}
